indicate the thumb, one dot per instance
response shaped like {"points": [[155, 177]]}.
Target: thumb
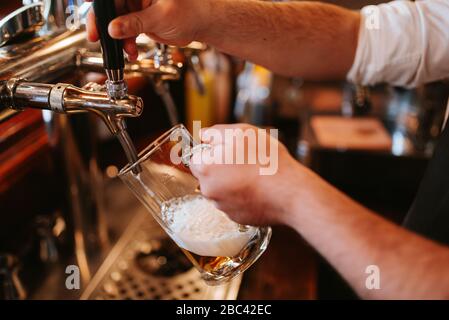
{"points": [[132, 24]]}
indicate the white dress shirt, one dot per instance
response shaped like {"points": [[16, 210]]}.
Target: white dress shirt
{"points": [[402, 43]]}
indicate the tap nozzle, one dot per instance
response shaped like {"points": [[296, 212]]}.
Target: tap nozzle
{"points": [[116, 86]]}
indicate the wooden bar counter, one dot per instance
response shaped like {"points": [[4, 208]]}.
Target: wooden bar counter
{"points": [[287, 270]]}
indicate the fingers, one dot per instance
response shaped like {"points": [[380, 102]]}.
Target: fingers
{"points": [[130, 47], [92, 33], [132, 24], [129, 44], [201, 161], [198, 170], [213, 135]]}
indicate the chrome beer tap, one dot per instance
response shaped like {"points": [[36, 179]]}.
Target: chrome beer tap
{"points": [[19, 94], [114, 65], [192, 55], [64, 98]]}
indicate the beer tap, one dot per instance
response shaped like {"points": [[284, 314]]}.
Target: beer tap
{"points": [[19, 94], [156, 62], [192, 54], [161, 87], [114, 65], [113, 58]]}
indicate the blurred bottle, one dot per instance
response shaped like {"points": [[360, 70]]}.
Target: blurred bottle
{"points": [[356, 100], [200, 106], [210, 105], [253, 103]]}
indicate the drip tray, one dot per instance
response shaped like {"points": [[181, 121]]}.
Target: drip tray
{"points": [[146, 265]]}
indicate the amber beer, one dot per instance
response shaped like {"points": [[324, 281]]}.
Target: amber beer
{"points": [[214, 269], [199, 228]]}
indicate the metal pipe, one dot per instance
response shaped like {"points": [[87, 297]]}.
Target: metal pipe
{"points": [[93, 61], [39, 59], [32, 95]]}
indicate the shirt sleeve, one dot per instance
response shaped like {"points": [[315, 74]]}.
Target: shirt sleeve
{"points": [[402, 43]]}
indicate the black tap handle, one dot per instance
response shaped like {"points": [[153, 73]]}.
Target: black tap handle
{"points": [[113, 58]]}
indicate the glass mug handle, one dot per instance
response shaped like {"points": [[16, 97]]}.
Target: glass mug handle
{"points": [[188, 154], [186, 161]]}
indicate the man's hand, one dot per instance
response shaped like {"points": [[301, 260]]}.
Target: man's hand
{"points": [[173, 22], [240, 190], [258, 31]]}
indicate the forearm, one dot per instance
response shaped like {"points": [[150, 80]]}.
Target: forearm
{"points": [[311, 40], [351, 238]]}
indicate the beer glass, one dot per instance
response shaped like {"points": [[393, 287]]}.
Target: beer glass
{"points": [[218, 247]]}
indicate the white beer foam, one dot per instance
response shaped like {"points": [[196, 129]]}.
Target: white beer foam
{"points": [[199, 227]]}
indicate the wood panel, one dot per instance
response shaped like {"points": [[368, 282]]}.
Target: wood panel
{"points": [[23, 141], [9, 6], [287, 270]]}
